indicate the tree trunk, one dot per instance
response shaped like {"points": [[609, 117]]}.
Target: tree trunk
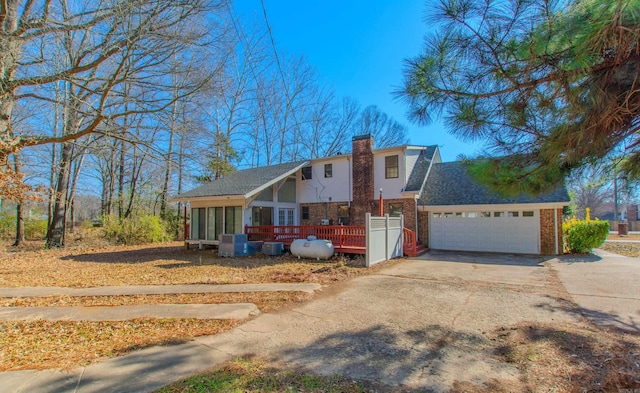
{"points": [[20, 236], [55, 233]]}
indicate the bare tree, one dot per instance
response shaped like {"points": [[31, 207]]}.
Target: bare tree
{"points": [[385, 130], [115, 40]]}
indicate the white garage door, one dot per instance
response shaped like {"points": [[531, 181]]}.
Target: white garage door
{"points": [[490, 231]]}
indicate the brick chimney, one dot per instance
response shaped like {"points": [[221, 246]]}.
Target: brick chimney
{"points": [[362, 174]]}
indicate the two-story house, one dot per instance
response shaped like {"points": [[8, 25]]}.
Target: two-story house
{"points": [[439, 201]]}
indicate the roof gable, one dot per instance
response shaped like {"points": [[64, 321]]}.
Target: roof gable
{"points": [[449, 184], [420, 169], [245, 182]]}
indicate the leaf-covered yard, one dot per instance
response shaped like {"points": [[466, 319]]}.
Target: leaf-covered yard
{"points": [[67, 344]]}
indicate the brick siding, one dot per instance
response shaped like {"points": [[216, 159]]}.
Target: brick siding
{"points": [[423, 228], [547, 231], [362, 187]]}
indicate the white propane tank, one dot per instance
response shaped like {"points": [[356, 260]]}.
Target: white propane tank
{"points": [[312, 248]]}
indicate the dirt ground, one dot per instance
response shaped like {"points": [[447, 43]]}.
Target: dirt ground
{"points": [[459, 326]]}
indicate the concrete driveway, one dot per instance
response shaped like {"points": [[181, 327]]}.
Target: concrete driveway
{"points": [[605, 287], [422, 324]]}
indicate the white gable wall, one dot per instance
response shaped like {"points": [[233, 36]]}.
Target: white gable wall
{"points": [[392, 188], [326, 189]]}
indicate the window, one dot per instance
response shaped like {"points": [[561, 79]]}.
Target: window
{"points": [[485, 214], [527, 214], [448, 215], [305, 212], [498, 214], [328, 170], [513, 214], [395, 209], [233, 219], [460, 214], [198, 223], [285, 217], [391, 167], [306, 173], [343, 214], [214, 222], [262, 215], [436, 215], [472, 215]]}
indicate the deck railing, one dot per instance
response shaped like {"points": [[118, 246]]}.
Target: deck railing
{"points": [[345, 238], [342, 236]]}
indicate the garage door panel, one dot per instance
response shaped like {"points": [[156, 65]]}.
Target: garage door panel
{"points": [[490, 234]]}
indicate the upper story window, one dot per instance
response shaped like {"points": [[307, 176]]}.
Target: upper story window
{"points": [[391, 167], [306, 173], [328, 170]]}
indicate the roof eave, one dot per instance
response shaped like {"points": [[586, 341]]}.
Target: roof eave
{"points": [[274, 180]]}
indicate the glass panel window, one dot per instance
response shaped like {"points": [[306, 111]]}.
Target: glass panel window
{"points": [[285, 217], [460, 214], [498, 214], [233, 219], [305, 212], [262, 215], [343, 214], [436, 215], [395, 209], [306, 173], [472, 214], [448, 215], [485, 214], [266, 194], [287, 193], [513, 214], [214, 222], [328, 170], [527, 214], [391, 167]]}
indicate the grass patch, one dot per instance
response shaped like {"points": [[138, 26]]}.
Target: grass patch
{"points": [[256, 376], [64, 344], [626, 249]]}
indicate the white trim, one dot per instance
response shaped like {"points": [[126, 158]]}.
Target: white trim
{"points": [[276, 180], [502, 206]]}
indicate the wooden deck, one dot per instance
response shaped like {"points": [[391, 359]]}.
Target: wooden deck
{"points": [[346, 239]]}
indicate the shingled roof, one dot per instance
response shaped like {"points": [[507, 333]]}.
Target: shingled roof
{"points": [[449, 184], [420, 169], [244, 181]]}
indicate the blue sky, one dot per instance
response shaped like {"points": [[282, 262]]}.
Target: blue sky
{"points": [[358, 48]]}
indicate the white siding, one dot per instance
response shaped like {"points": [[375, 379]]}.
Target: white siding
{"points": [[320, 188], [391, 188]]}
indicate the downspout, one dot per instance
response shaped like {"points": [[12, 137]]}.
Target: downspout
{"points": [[350, 169]]}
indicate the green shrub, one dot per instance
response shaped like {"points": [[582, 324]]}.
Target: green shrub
{"points": [[135, 230], [582, 236], [7, 226], [35, 229]]}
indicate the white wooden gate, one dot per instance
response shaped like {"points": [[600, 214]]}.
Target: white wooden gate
{"points": [[383, 238]]}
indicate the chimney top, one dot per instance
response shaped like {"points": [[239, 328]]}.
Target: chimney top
{"points": [[362, 137]]}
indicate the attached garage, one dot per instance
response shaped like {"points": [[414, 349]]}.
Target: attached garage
{"points": [[509, 231], [459, 214]]}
